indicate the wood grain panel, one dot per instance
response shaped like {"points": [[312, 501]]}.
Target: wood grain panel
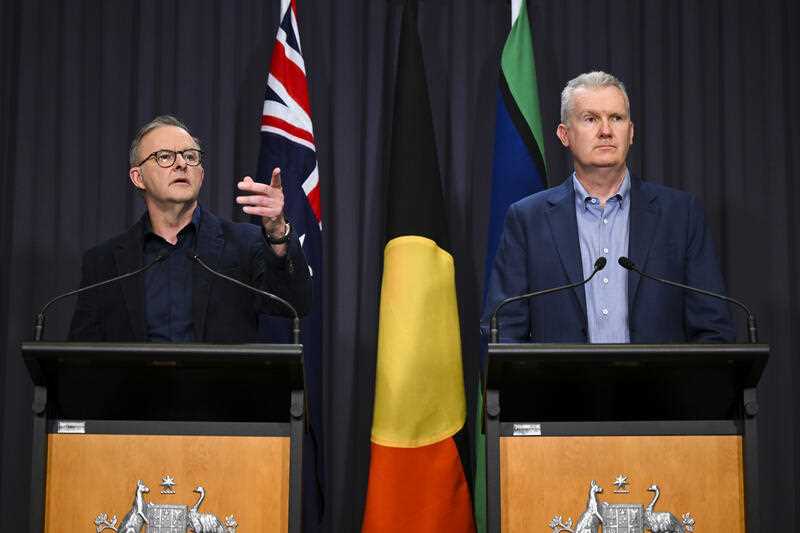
{"points": [[244, 476], [541, 477]]}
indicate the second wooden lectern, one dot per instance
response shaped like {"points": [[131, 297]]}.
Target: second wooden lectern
{"points": [[623, 438]]}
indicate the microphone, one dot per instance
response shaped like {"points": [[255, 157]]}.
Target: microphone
{"points": [[599, 265], [38, 329], [295, 320], [752, 332]]}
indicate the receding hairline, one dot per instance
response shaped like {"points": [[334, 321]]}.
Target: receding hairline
{"points": [[595, 80], [158, 122]]}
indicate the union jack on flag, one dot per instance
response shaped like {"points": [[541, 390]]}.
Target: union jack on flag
{"points": [[287, 141], [286, 125]]}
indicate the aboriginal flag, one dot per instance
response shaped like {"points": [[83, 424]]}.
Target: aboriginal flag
{"points": [[416, 480]]}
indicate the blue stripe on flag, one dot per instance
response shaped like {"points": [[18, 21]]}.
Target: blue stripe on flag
{"points": [[269, 94], [514, 176], [286, 26]]}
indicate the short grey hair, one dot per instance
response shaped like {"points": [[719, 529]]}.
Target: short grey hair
{"points": [[590, 80], [161, 120]]}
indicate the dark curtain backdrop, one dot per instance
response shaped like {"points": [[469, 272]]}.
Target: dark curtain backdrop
{"points": [[714, 91]]}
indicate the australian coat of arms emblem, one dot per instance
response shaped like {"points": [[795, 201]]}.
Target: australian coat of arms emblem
{"points": [[622, 517], [148, 517]]}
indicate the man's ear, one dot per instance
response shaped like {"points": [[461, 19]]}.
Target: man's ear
{"points": [[135, 174], [561, 133]]}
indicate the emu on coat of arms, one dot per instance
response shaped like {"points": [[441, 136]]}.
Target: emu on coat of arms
{"points": [[622, 517], [165, 518]]}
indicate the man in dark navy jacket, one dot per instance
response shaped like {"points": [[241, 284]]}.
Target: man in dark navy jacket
{"points": [[176, 300], [554, 237]]}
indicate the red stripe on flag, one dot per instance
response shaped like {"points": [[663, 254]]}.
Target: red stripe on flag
{"points": [[290, 76], [275, 122], [420, 490], [313, 201]]}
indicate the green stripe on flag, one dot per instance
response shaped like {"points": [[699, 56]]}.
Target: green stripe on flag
{"points": [[519, 70]]}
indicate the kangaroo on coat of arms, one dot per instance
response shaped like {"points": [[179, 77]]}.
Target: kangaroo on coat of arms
{"points": [[622, 517], [165, 518]]}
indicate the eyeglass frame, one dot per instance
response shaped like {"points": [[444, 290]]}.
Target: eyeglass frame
{"points": [[174, 157]]}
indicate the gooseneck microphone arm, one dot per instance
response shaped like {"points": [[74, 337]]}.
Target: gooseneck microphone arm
{"points": [[752, 330], [494, 332], [295, 318], [38, 329]]}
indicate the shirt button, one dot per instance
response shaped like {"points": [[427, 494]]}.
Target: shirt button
{"points": [[605, 221], [594, 200], [605, 250], [605, 280], [605, 311]]}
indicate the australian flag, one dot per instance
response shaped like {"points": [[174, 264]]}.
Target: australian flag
{"points": [[287, 142]]}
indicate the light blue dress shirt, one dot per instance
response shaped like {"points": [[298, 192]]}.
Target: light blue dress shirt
{"points": [[603, 231]]}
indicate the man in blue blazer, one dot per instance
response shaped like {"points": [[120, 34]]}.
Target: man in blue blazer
{"points": [[554, 237], [176, 300]]}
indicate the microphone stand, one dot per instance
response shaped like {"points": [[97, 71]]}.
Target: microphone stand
{"points": [[38, 328], [295, 320], [752, 331], [494, 331]]}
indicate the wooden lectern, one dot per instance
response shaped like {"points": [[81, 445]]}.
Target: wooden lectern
{"points": [[166, 436], [587, 434]]}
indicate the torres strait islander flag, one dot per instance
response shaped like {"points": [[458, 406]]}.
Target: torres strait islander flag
{"points": [[287, 141], [518, 169], [416, 478]]}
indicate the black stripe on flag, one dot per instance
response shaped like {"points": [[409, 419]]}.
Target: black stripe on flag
{"points": [[415, 201]]}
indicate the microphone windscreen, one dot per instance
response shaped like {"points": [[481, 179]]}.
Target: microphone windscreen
{"points": [[600, 264], [626, 263]]}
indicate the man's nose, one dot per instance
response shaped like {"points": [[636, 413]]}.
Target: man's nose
{"points": [[180, 161], [605, 128]]}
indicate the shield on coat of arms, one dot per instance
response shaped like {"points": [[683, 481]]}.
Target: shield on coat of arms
{"points": [[622, 518], [163, 518]]}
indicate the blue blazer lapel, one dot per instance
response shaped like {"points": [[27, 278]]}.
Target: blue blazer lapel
{"points": [[128, 256], [210, 243], [564, 229], [644, 219]]}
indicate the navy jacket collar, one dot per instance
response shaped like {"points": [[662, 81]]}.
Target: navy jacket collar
{"points": [[645, 215], [564, 229], [210, 243], [644, 218], [129, 255]]}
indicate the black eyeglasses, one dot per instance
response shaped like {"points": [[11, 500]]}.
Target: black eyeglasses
{"points": [[166, 158]]}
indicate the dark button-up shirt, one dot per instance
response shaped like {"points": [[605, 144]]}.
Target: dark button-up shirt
{"points": [[168, 285]]}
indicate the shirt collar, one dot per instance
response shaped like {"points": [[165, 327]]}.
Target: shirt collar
{"points": [[192, 225], [582, 197]]}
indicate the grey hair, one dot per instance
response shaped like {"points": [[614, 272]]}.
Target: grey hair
{"points": [[590, 80], [161, 120]]}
